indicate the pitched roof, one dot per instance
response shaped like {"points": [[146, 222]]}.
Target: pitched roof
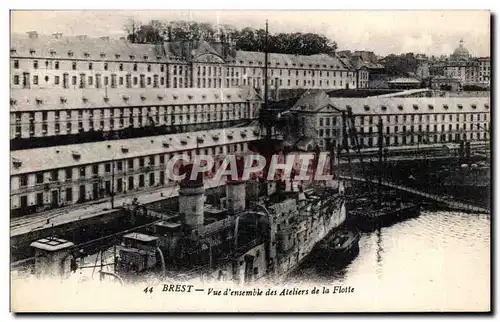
{"points": [[204, 48], [289, 61], [107, 49], [405, 80], [54, 99], [312, 102], [395, 105], [85, 48], [412, 105], [44, 159]]}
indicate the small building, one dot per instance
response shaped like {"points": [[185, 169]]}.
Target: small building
{"points": [[404, 83]]}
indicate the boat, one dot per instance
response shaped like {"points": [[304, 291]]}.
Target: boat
{"points": [[344, 241], [341, 243], [374, 215]]}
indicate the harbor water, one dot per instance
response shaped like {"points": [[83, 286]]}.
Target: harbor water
{"points": [[440, 257]]}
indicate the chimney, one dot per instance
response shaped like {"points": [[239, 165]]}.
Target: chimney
{"points": [[104, 38], [57, 35], [33, 34]]}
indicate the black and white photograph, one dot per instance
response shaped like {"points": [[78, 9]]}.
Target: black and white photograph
{"points": [[250, 161]]}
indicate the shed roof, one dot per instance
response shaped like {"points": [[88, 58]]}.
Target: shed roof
{"points": [[140, 237]]}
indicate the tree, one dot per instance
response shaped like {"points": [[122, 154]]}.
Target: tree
{"points": [[131, 27], [247, 39]]}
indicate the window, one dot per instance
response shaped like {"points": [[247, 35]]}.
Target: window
{"points": [[105, 66], [73, 66], [23, 180], [16, 64], [135, 67], [56, 64], [35, 64], [90, 66], [35, 80], [39, 178], [68, 173], [120, 67], [16, 80], [82, 171]]}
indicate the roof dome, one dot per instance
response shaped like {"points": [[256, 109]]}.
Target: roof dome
{"points": [[461, 53]]}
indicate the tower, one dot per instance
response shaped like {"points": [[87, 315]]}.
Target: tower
{"points": [[52, 256], [191, 198], [236, 190]]}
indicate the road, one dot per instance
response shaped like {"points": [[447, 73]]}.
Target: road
{"points": [[56, 217]]}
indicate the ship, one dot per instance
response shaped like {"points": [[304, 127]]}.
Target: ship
{"points": [[261, 231]]}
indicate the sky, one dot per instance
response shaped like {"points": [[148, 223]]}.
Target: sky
{"points": [[384, 32]]}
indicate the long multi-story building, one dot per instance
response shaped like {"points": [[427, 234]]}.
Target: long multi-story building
{"points": [[80, 62], [50, 117], [406, 120], [53, 177]]}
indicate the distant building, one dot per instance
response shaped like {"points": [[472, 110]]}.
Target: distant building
{"points": [[461, 70]]}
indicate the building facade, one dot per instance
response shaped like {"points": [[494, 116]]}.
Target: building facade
{"points": [[38, 113], [47, 62], [406, 120], [55, 177]]}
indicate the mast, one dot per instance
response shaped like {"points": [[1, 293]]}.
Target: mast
{"points": [[380, 151], [266, 107]]}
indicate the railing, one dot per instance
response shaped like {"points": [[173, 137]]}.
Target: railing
{"points": [[451, 204]]}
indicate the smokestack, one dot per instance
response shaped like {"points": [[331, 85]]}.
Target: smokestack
{"points": [[191, 198], [236, 190]]}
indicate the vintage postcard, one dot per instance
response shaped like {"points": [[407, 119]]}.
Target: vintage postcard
{"points": [[250, 161]]}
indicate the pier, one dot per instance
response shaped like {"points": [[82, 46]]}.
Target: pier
{"points": [[452, 204]]}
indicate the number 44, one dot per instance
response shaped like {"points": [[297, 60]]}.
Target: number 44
{"points": [[148, 289]]}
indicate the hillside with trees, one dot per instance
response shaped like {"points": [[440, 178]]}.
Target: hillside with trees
{"points": [[248, 39]]}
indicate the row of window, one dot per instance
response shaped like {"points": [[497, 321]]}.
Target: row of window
{"points": [[137, 111], [406, 131], [83, 81], [428, 138], [90, 65], [395, 119], [120, 166], [180, 70]]}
